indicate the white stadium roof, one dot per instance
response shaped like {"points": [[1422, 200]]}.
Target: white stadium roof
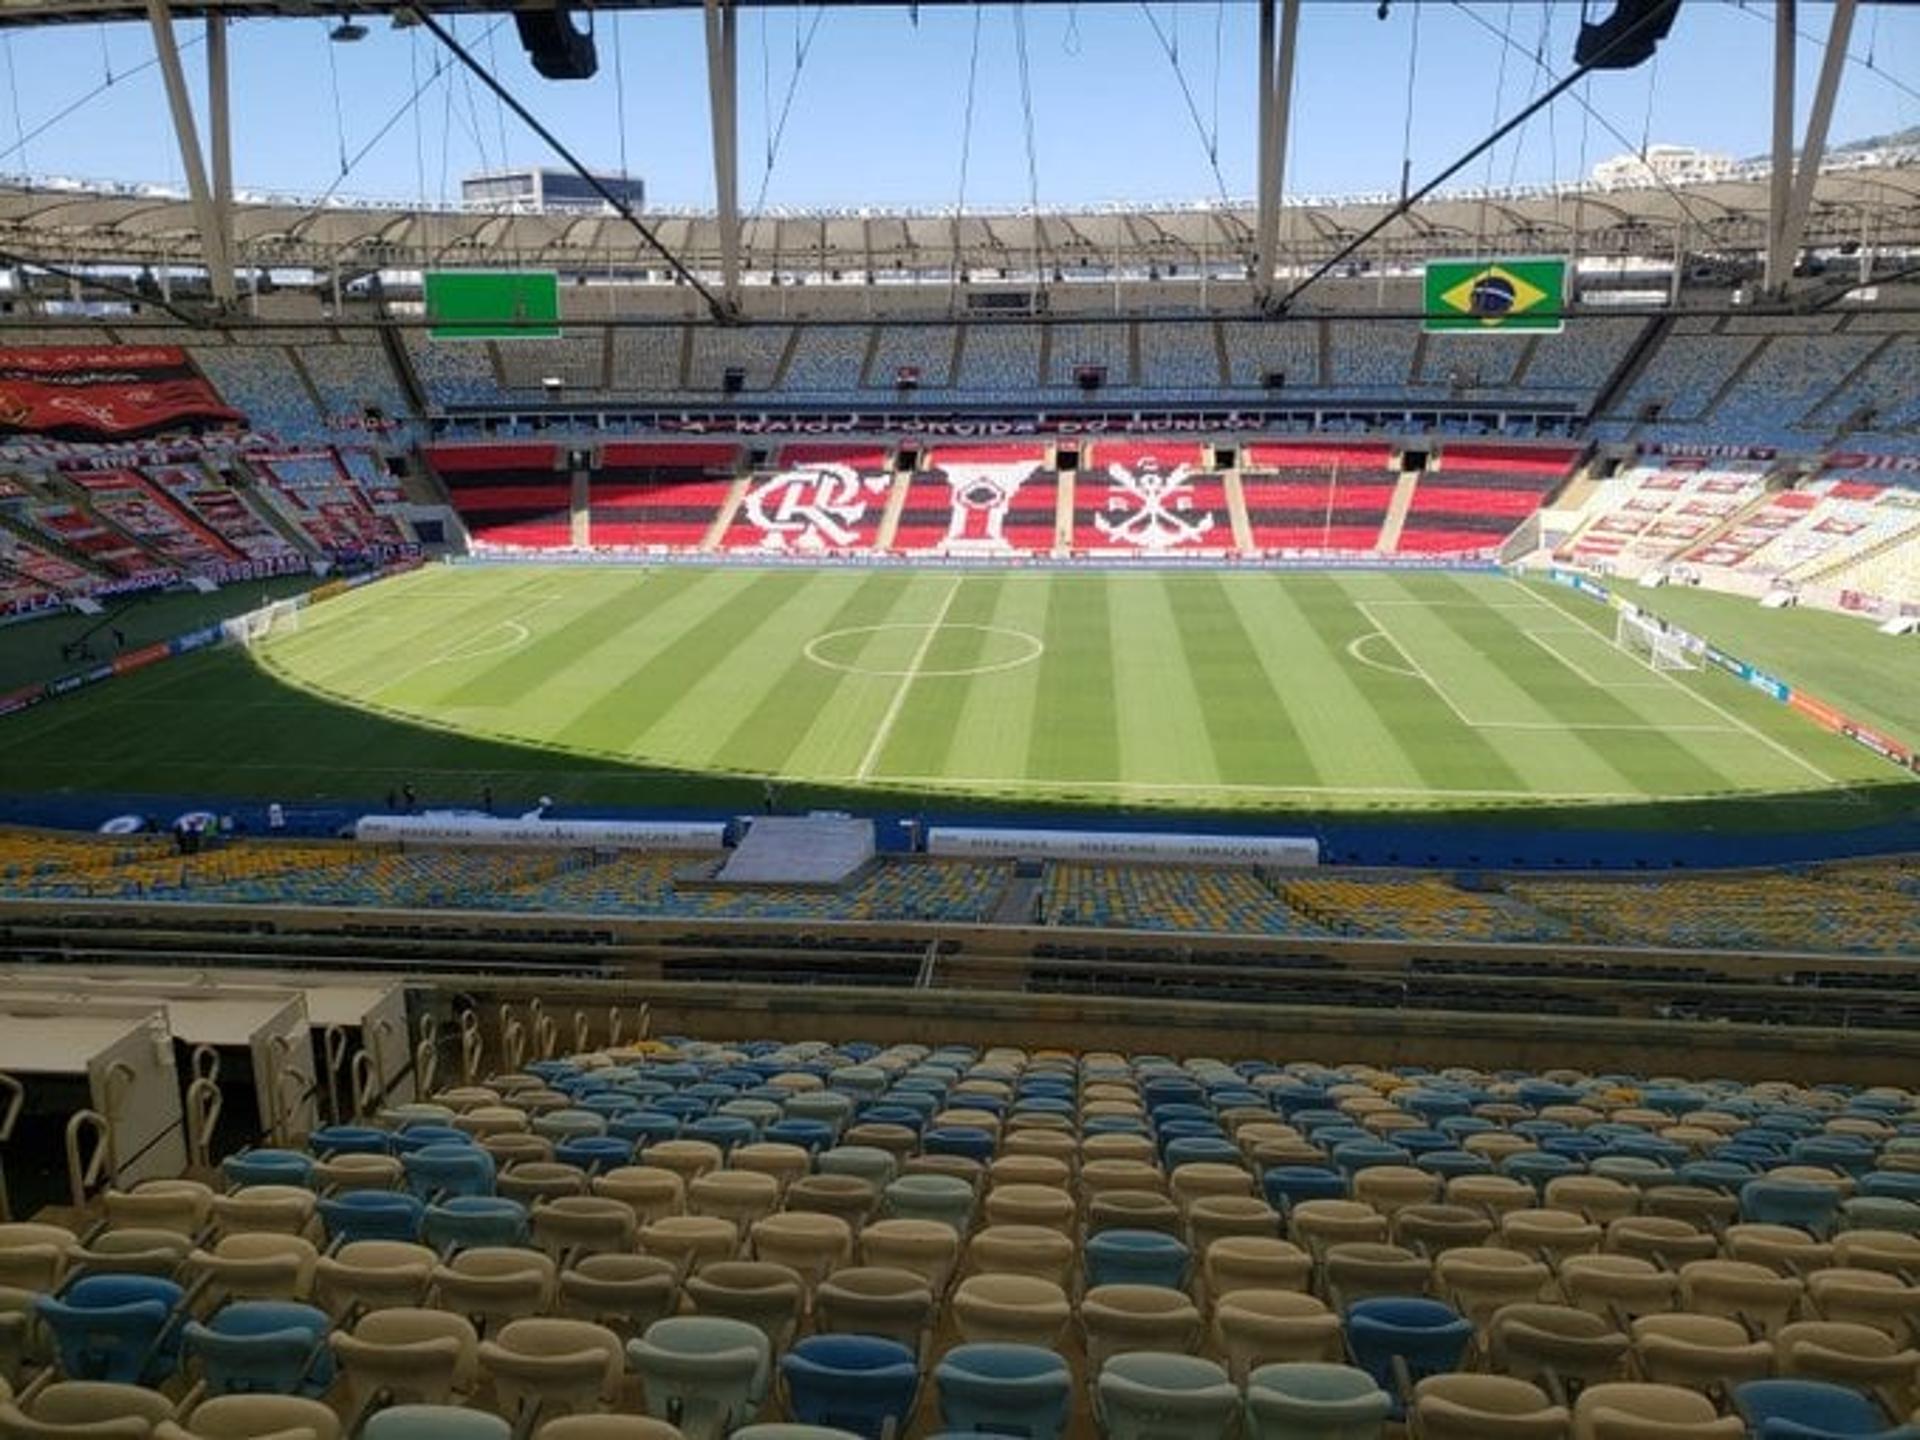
{"points": [[1874, 204]]}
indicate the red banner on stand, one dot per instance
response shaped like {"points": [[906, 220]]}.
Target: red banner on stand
{"points": [[105, 392]]}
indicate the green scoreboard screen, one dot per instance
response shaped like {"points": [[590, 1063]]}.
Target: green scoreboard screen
{"points": [[493, 304]]}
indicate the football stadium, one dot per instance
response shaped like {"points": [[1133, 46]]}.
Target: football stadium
{"points": [[694, 745]]}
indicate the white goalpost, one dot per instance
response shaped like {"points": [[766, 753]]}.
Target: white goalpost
{"points": [[282, 617], [1651, 643]]}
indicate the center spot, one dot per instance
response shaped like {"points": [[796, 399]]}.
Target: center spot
{"points": [[853, 651]]}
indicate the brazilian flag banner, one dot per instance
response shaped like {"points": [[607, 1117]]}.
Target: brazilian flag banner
{"points": [[1482, 296]]}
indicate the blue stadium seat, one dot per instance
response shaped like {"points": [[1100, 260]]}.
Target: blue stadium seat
{"points": [[467, 1221], [263, 1347], [371, 1215], [119, 1328], [705, 1373], [434, 1422], [1018, 1390], [448, 1170], [1305, 1401], [1136, 1257], [859, 1383], [331, 1140], [1424, 1337], [1813, 1410], [268, 1167]]}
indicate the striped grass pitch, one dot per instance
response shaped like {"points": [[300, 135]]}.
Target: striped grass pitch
{"points": [[1198, 690]]}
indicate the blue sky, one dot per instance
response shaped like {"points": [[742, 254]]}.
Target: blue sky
{"points": [[877, 112]]}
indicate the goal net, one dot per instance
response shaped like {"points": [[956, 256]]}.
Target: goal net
{"points": [[1651, 643], [282, 617]]}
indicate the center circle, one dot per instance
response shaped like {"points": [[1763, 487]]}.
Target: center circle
{"points": [[1014, 648]]}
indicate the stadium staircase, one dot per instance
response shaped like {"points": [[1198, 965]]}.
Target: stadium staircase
{"points": [[1711, 409], [785, 362], [1020, 902], [42, 540], [300, 373], [1524, 363], [1639, 355], [272, 516], [957, 355], [682, 375], [890, 516], [1825, 574], [1063, 512], [867, 356], [1237, 511], [1397, 508], [81, 500], [422, 487], [1837, 424], [578, 522], [1730, 522], [401, 363], [723, 517], [1578, 490], [1417, 364]]}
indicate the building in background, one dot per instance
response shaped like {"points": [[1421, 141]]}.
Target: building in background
{"points": [[535, 191], [1663, 165]]}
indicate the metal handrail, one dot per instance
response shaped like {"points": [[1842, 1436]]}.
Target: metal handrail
{"points": [[333, 1049], [471, 1046], [204, 1102], [544, 1034], [426, 1055], [83, 1176], [374, 1041], [366, 1085], [279, 1066], [508, 1024], [16, 1100], [306, 1088]]}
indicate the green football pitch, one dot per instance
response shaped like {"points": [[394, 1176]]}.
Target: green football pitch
{"points": [[1189, 690]]}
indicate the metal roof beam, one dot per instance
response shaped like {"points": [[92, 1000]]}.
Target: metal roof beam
{"points": [[205, 209], [1793, 224], [723, 103], [1276, 99], [1780, 183], [220, 134]]}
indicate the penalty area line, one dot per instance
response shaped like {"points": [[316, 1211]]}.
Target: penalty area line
{"points": [[1557, 608], [1365, 607], [1539, 637]]}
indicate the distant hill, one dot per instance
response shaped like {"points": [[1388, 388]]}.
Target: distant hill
{"points": [[1909, 136]]}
